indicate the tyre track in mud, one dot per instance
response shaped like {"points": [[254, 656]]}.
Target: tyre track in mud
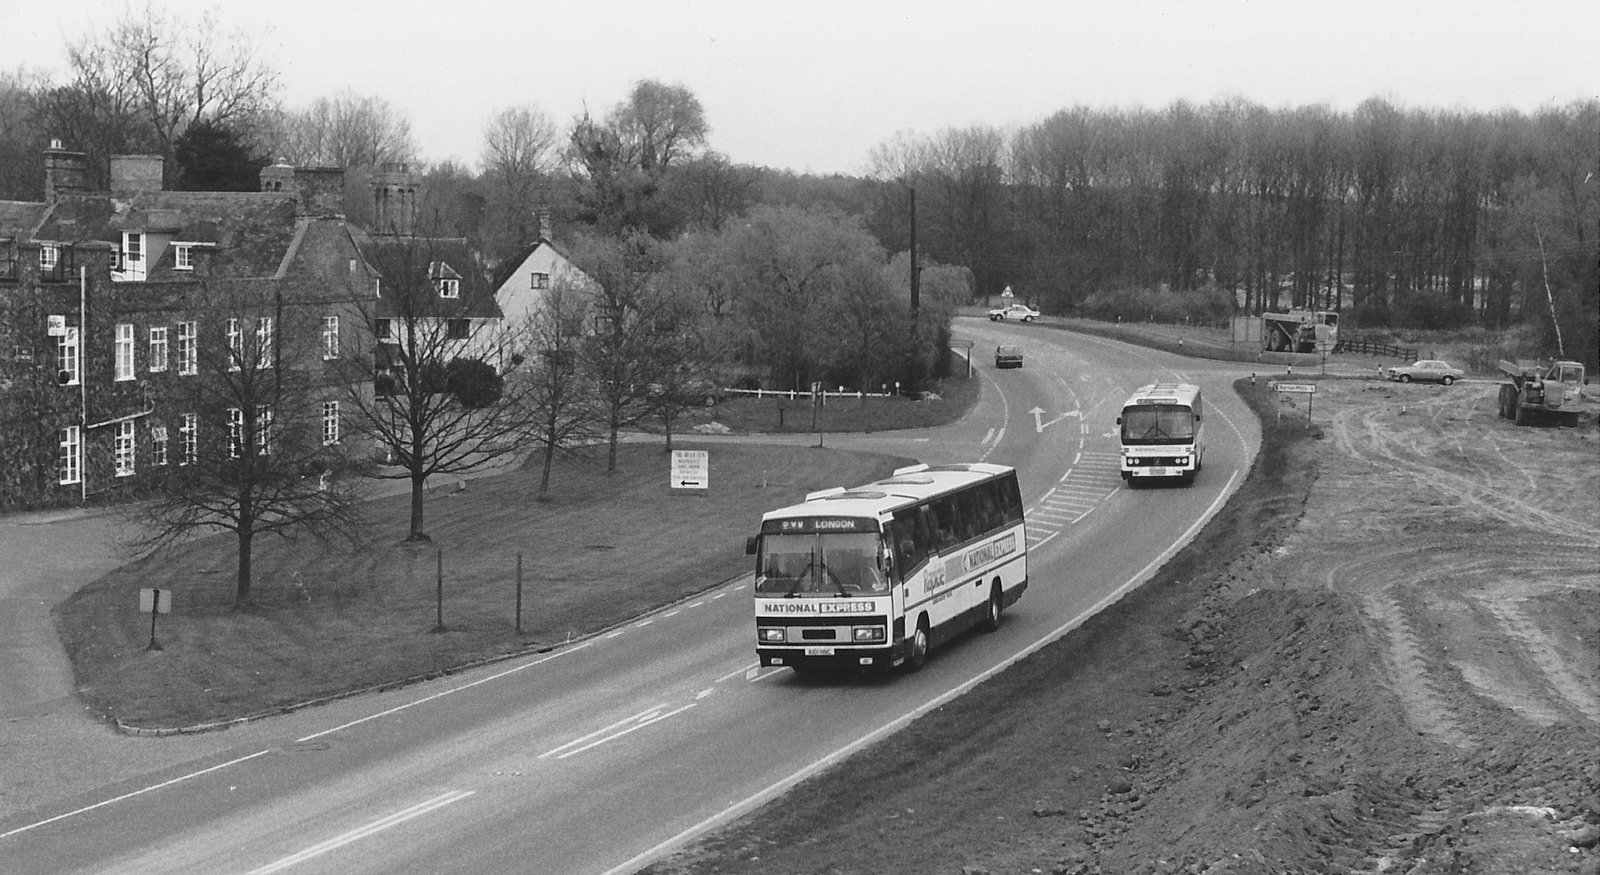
{"points": [[1490, 648]]}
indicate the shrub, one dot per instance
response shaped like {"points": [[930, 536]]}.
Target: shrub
{"points": [[473, 382]]}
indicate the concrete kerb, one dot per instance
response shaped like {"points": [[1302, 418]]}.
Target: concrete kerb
{"points": [[530, 650]]}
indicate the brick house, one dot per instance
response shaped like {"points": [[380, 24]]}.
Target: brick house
{"points": [[106, 298]]}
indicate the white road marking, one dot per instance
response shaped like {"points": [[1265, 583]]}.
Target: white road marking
{"points": [[613, 732], [126, 796], [359, 833]]}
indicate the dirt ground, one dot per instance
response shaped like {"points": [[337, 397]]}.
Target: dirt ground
{"points": [[1383, 656]]}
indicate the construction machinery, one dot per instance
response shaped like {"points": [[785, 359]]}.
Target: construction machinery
{"points": [[1300, 331], [1545, 393]]}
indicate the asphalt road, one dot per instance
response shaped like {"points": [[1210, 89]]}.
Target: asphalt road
{"points": [[599, 756]]}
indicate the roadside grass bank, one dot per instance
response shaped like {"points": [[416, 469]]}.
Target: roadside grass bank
{"points": [[603, 549]]}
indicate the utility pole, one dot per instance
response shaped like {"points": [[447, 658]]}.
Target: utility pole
{"points": [[916, 274]]}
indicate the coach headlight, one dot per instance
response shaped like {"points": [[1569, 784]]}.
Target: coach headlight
{"points": [[773, 635], [1181, 460], [868, 634]]}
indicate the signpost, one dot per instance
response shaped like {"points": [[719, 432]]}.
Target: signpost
{"points": [[152, 600], [1306, 389], [691, 469]]}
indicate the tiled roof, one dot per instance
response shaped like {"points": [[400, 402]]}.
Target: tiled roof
{"points": [[409, 265], [252, 230]]}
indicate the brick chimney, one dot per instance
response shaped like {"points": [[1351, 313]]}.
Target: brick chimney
{"points": [[544, 227], [136, 172], [64, 171]]}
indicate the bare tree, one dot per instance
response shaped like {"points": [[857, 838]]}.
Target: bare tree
{"points": [[346, 130], [440, 395], [519, 154], [175, 73], [249, 445], [659, 123], [560, 391]]}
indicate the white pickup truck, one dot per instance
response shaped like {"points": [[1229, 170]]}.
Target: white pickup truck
{"points": [[1015, 311]]}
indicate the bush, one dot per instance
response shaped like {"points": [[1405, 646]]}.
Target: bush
{"points": [[473, 382]]}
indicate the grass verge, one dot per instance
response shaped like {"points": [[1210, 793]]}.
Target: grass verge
{"points": [[603, 549]]}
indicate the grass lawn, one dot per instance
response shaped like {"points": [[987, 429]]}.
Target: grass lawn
{"points": [[603, 549]]}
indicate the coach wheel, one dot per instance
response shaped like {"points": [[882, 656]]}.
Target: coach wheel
{"points": [[1405, 378], [917, 650], [991, 617]]}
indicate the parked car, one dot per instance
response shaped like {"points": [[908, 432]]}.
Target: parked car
{"points": [[1015, 311], [1427, 369], [1008, 356]]}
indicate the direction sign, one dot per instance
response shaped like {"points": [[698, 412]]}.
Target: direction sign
{"points": [[1299, 388], [691, 469]]}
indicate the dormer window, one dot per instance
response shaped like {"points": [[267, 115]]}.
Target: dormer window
{"points": [[181, 256], [445, 279], [49, 257], [130, 260]]}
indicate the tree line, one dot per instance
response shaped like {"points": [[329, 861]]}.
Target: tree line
{"points": [[1396, 216]]}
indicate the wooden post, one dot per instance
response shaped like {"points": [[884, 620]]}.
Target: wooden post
{"points": [[439, 592], [519, 594]]}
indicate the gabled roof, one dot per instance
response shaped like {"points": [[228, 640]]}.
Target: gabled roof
{"points": [[409, 265], [511, 266]]}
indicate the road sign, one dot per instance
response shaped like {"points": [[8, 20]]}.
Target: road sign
{"points": [[691, 469], [159, 600], [1297, 388]]}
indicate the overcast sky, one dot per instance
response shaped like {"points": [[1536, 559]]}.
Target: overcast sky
{"points": [[813, 85]]}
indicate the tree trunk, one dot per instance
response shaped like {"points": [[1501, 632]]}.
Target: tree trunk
{"points": [[419, 485], [246, 533], [544, 477]]}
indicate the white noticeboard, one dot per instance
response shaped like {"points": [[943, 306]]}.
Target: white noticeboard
{"points": [[147, 600], [691, 469], [55, 325]]}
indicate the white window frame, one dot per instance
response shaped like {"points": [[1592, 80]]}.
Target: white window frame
{"points": [[263, 430], [449, 288], [158, 348], [123, 361], [158, 444], [265, 339], [131, 257], [235, 432], [189, 436], [330, 337], [330, 423], [188, 348], [49, 256], [125, 449], [182, 256], [68, 357], [235, 345], [69, 463]]}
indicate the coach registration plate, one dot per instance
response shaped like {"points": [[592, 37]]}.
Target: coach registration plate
{"points": [[819, 651]]}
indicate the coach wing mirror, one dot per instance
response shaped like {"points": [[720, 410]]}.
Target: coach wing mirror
{"points": [[1119, 420], [750, 546]]}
